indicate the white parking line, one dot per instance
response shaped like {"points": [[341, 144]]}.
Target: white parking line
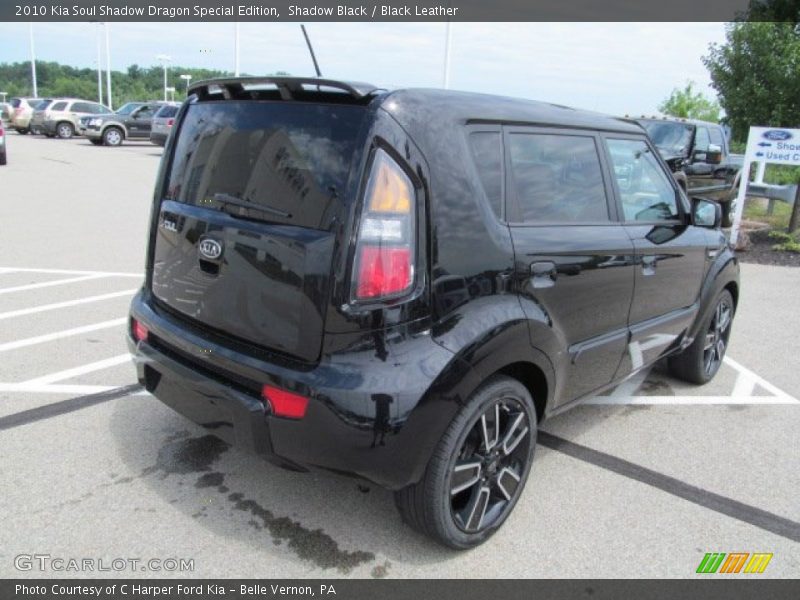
{"points": [[70, 272], [82, 370], [688, 400], [45, 307], [745, 372], [49, 337], [44, 284], [60, 388]]}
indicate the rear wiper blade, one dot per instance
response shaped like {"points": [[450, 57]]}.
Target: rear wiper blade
{"points": [[227, 199]]}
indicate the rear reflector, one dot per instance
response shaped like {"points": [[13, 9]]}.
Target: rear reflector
{"points": [[283, 403], [139, 331]]}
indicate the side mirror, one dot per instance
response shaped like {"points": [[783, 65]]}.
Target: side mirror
{"points": [[714, 154], [706, 213]]}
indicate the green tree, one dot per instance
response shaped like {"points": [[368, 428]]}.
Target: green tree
{"points": [[690, 103], [755, 74]]}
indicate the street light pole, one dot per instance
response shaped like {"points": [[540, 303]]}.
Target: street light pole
{"points": [[99, 65], [164, 59], [108, 69], [235, 50], [448, 38], [188, 78], [33, 62]]}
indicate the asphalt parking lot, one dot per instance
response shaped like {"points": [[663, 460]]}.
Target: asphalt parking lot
{"points": [[640, 482]]}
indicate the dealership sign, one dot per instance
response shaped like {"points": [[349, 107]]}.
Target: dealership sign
{"points": [[774, 145]]}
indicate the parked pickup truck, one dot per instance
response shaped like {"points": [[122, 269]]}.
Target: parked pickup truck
{"points": [[698, 154]]}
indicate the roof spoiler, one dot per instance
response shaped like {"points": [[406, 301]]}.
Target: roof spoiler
{"points": [[288, 87]]}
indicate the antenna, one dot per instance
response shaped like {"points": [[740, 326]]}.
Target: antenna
{"points": [[311, 50]]}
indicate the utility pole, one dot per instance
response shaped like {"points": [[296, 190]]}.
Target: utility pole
{"points": [[33, 62], [164, 59]]}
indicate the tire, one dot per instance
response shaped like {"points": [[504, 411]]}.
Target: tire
{"points": [[727, 217], [483, 497], [700, 362], [65, 130], [96, 142], [113, 136]]}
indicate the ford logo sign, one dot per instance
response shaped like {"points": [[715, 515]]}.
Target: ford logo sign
{"points": [[210, 249], [777, 135]]}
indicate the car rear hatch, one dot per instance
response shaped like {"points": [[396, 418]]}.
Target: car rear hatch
{"points": [[253, 188]]}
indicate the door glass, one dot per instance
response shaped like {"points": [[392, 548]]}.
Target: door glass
{"points": [[716, 136], [644, 186], [81, 107], [58, 106], [557, 179], [702, 139]]}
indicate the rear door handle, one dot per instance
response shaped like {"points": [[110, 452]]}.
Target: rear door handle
{"points": [[543, 273]]}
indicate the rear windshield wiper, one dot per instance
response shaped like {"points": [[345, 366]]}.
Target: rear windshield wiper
{"points": [[227, 199]]}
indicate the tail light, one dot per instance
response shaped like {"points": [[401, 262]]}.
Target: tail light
{"points": [[140, 332], [385, 247], [170, 122], [283, 403]]}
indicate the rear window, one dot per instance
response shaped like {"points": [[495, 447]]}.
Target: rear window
{"points": [[43, 104], [274, 161], [15, 102], [167, 112]]}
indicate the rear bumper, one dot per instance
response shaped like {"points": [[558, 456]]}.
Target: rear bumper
{"points": [[158, 138], [371, 414]]}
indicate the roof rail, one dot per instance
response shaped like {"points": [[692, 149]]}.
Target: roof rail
{"points": [[287, 86]]}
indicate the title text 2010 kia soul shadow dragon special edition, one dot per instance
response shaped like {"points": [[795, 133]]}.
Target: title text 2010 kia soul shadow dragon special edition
{"points": [[402, 285]]}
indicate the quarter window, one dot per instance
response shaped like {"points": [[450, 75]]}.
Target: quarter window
{"points": [[487, 151], [556, 179], [644, 187]]}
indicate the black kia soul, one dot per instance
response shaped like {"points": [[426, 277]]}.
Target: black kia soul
{"points": [[402, 285]]}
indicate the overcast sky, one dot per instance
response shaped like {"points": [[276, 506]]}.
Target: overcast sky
{"points": [[615, 68]]}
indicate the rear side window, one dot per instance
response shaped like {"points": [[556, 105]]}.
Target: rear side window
{"points": [[167, 112], [487, 152], [715, 135], [556, 179], [59, 106], [644, 188], [82, 107], [278, 161]]}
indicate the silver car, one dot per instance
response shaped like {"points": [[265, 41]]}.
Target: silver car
{"points": [[162, 123]]}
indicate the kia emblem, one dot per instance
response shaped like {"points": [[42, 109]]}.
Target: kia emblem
{"points": [[210, 249]]}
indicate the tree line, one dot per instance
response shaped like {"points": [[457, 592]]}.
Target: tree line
{"points": [[136, 83]]}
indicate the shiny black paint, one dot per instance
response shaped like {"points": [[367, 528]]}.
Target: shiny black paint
{"points": [[387, 379]]}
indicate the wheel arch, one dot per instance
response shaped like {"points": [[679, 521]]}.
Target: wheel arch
{"points": [[119, 126]]}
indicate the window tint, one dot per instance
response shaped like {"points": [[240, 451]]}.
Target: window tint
{"points": [[487, 150], [557, 178], [82, 107], [145, 113], [59, 106], [167, 111], [715, 134], [701, 140], [279, 157], [644, 187]]}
